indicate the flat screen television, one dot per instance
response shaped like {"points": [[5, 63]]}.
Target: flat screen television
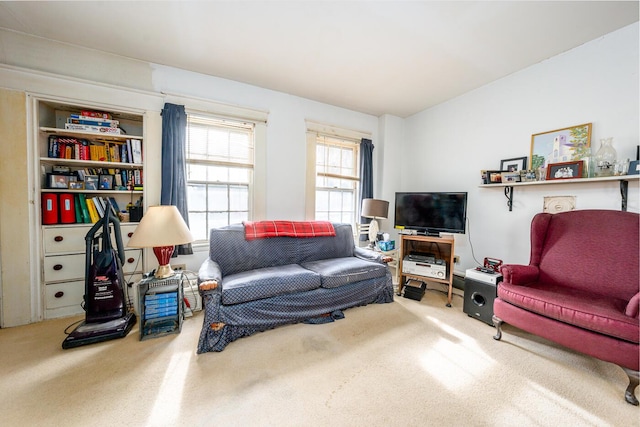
{"points": [[431, 213]]}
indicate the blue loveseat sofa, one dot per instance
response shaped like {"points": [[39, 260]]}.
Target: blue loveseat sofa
{"points": [[263, 283]]}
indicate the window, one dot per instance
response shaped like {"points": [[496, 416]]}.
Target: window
{"points": [[220, 172], [337, 179]]}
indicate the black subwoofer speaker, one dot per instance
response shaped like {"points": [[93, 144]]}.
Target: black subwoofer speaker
{"points": [[478, 300]]}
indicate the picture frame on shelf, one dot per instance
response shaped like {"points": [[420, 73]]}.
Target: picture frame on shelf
{"points": [[76, 185], [491, 176], [105, 182], [91, 182], [510, 177], [564, 170], [516, 164], [57, 181], [527, 175], [560, 145]]}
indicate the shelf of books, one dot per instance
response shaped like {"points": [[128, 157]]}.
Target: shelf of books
{"points": [[90, 160]]}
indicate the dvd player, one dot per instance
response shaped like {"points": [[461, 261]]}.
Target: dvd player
{"points": [[436, 269]]}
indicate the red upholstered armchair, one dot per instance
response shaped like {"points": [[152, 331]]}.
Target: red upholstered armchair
{"points": [[581, 288]]}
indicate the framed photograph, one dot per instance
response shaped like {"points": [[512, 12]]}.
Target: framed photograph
{"points": [[491, 177], [76, 185], [57, 181], [560, 145], [510, 176], [91, 182], [527, 175], [514, 165], [105, 182], [564, 170]]}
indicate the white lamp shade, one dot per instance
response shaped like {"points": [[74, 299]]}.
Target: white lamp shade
{"points": [[160, 226], [374, 208]]}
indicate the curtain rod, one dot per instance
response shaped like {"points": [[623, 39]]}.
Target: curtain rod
{"points": [[220, 108]]}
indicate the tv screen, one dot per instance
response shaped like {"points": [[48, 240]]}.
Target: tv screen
{"points": [[432, 212]]}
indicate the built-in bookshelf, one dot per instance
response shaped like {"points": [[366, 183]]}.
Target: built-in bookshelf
{"points": [[90, 160]]}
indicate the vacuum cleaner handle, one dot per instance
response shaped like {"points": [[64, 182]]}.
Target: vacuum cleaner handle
{"points": [[116, 228], [106, 243]]}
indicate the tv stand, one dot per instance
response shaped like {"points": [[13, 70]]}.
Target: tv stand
{"points": [[442, 247]]}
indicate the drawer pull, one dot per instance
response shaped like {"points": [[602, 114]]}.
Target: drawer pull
{"points": [[130, 260], [57, 267], [59, 294], [58, 238], [129, 234]]}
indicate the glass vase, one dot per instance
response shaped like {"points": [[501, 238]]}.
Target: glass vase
{"points": [[605, 158], [587, 164]]}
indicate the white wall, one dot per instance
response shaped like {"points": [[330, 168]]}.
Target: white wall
{"points": [[450, 143], [443, 148], [37, 65]]}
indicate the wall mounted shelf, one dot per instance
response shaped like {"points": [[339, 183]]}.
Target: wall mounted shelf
{"points": [[623, 179]]}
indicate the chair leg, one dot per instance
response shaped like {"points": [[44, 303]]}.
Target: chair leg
{"points": [[634, 380], [497, 322]]}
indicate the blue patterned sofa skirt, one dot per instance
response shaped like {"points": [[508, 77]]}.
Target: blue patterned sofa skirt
{"points": [[275, 281]]}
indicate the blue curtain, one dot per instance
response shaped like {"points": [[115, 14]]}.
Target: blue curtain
{"points": [[174, 173], [366, 177]]}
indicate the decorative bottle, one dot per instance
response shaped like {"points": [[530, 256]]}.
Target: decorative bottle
{"points": [[605, 158]]}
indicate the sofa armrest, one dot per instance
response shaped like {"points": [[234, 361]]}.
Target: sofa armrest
{"points": [[368, 254], [633, 307], [209, 275], [519, 274]]}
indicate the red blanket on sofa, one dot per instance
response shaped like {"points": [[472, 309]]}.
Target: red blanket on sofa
{"points": [[265, 229]]}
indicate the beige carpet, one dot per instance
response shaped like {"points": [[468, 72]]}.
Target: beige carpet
{"points": [[407, 363]]}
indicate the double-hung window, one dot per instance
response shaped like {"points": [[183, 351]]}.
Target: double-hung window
{"points": [[337, 179], [333, 173], [220, 172]]}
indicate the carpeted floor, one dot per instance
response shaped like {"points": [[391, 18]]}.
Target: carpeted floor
{"points": [[407, 363]]}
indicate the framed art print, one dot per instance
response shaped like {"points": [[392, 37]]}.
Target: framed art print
{"points": [[560, 145]]}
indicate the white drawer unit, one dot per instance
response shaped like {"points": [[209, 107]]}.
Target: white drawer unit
{"points": [[61, 239], [67, 294], [59, 268], [63, 266], [132, 261]]}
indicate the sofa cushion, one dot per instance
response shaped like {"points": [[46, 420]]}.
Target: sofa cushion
{"points": [[605, 315], [267, 282], [340, 271]]}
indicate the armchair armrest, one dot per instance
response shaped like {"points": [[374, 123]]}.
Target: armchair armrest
{"points": [[368, 255], [519, 274], [633, 307]]}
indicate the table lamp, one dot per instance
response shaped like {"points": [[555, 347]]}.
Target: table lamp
{"points": [[374, 209], [161, 228]]}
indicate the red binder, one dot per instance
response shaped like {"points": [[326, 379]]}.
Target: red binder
{"points": [[67, 209], [49, 208]]}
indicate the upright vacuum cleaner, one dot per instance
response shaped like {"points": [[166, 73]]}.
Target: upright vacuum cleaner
{"points": [[105, 305]]}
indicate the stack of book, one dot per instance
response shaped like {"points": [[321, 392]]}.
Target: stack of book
{"points": [[64, 147], [93, 121], [91, 209]]}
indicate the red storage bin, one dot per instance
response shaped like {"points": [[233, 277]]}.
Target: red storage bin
{"points": [[49, 208], [67, 209]]}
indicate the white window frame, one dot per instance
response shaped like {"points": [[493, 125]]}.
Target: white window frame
{"points": [[229, 127], [314, 130], [204, 107]]}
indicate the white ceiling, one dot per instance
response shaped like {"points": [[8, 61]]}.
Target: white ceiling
{"points": [[377, 57]]}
